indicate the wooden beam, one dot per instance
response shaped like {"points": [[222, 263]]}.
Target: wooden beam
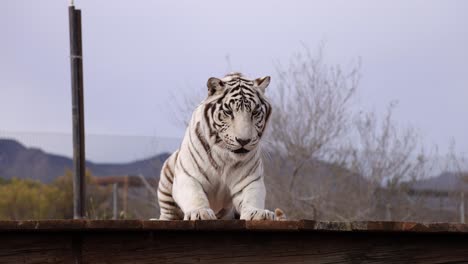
{"points": [[131, 181], [135, 241]]}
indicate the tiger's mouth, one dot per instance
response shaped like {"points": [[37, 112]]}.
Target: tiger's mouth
{"points": [[240, 151]]}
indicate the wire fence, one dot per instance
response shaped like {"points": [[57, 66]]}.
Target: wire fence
{"points": [[123, 171]]}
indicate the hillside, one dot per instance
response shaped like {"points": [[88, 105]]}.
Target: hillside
{"points": [[446, 181], [18, 161]]}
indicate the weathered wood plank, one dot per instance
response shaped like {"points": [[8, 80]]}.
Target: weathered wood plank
{"points": [[32, 248], [274, 247], [69, 225], [57, 241]]}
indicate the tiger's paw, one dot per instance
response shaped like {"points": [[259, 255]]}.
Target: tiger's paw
{"points": [[200, 214], [257, 214], [280, 215]]}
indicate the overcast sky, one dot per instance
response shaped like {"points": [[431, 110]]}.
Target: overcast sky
{"points": [[138, 54]]}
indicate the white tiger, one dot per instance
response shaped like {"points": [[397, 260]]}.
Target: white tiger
{"points": [[217, 173]]}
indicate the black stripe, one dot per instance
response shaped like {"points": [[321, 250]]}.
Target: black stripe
{"points": [[216, 124], [222, 97], [165, 193], [202, 172], [237, 193], [267, 108], [206, 146], [251, 99], [171, 213], [190, 175], [240, 205], [163, 184], [257, 162], [169, 174], [168, 203], [265, 103], [235, 89], [245, 80], [166, 208], [236, 94], [205, 114], [240, 191], [248, 91], [253, 214], [256, 179], [237, 164], [191, 144], [213, 108]]}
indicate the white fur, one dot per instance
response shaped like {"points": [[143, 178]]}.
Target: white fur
{"points": [[212, 181]]}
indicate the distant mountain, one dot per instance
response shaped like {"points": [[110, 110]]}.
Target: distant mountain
{"points": [[446, 181], [18, 161]]}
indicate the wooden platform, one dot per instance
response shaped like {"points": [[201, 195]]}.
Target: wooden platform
{"points": [[135, 241]]}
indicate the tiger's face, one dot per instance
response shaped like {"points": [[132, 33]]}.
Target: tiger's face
{"points": [[238, 112]]}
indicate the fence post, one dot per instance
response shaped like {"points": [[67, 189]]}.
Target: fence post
{"points": [[125, 196], [115, 213], [462, 207], [388, 212], [76, 62]]}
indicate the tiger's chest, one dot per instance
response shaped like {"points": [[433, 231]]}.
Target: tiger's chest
{"points": [[219, 192], [219, 197]]}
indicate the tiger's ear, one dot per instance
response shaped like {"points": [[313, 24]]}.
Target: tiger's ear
{"points": [[262, 83], [215, 86]]}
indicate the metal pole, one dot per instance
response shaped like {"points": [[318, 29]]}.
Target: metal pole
{"points": [[114, 201], [125, 197], [388, 212], [462, 207], [76, 62]]}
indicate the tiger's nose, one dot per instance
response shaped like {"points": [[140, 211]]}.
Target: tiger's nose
{"points": [[243, 142]]}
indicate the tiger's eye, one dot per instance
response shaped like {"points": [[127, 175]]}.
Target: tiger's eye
{"points": [[228, 112], [256, 111]]}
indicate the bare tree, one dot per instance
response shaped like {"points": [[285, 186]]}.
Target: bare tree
{"points": [[328, 162], [181, 108], [456, 163], [385, 153], [390, 157], [311, 109]]}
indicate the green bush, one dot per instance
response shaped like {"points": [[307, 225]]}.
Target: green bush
{"points": [[31, 199]]}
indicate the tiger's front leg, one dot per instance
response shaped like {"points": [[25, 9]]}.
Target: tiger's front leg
{"points": [[250, 202], [190, 197]]}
